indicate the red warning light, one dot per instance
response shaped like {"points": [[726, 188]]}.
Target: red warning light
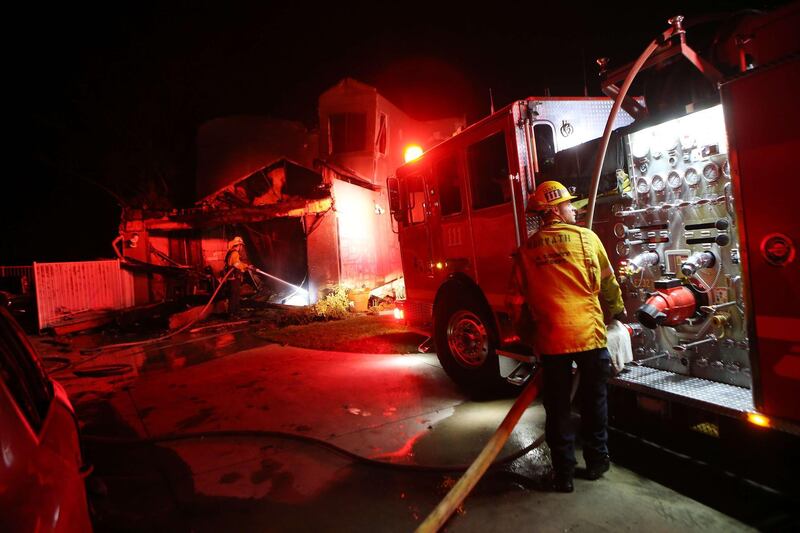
{"points": [[412, 152]]}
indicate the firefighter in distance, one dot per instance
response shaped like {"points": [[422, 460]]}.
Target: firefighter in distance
{"points": [[233, 261], [562, 272]]}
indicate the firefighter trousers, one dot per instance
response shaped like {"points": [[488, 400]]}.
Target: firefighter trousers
{"points": [[592, 397]]}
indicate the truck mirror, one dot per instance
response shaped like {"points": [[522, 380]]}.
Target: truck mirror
{"points": [[393, 186]]}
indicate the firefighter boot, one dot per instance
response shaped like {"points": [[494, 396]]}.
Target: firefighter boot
{"points": [[561, 480], [596, 468]]}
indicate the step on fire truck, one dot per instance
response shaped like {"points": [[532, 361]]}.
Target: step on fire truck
{"points": [[696, 209]]}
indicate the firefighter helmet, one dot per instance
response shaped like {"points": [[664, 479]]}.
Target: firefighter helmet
{"points": [[235, 242], [550, 194]]}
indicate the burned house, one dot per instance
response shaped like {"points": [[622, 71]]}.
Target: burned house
{"points": [[311, 206]]}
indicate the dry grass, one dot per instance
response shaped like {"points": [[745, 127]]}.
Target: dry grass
{"points": [[360, 333]]}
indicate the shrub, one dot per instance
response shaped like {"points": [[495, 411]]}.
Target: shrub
{"points": [[334, 305]]}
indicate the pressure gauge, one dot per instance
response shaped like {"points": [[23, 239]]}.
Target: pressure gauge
{"points": [[711, 172], [674, 180], [642, 186], [657, 183], [726, 169], [691, 177]]}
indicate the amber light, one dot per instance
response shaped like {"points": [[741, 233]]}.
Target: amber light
{"points": [[758, 420], [398, 313], [412, 152]]}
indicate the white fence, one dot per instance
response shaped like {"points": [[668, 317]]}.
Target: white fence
{"points": [[24, 273], [64, 290], [16, 271]]}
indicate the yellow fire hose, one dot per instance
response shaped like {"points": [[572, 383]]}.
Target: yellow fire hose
{"points": [[464, 486]]}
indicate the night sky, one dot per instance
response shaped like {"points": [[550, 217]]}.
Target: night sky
{"points": [[106, 100]]}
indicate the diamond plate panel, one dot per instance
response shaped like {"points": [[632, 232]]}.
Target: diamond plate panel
{"points": [[719, 397], [586, 118], [531, 224]]}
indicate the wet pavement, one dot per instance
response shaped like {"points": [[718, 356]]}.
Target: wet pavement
{"points": [[221, 431]]}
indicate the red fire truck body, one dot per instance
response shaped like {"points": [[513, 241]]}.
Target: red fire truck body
{"points": [[707, 223], [461, 213], [448, 232]]}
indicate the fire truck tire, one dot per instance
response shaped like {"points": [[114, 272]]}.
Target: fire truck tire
{"points": [[465, 345]]}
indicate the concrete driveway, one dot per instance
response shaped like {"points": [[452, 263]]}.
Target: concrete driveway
{"points": [[222, 432]]}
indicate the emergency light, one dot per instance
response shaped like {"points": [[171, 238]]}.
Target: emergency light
{"points": [[412, 152]]}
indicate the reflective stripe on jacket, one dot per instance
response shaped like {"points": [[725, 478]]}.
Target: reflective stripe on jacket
{"points": [[564, 270]]}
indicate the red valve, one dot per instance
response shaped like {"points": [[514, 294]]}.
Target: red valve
{"points": [[667, 307]]}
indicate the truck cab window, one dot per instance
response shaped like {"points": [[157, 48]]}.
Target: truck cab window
{"points": [[545, 145], [488, 172], [415, 200], [446, 172]]}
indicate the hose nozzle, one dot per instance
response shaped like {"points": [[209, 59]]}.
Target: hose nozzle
{"points": [[677, 24], [697, 261]]}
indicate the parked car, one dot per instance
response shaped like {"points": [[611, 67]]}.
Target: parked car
{"points": [[41, 468], [22, 307]]}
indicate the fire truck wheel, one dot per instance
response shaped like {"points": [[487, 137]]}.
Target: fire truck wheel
{"points": [[465, 346]]}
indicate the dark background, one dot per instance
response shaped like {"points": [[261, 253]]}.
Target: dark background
{"points": [[106, 99]]}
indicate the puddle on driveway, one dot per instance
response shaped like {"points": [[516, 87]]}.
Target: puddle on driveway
{"points": [[190, 352]]}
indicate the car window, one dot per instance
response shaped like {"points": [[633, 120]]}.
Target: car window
{"points": [[23, 375]]}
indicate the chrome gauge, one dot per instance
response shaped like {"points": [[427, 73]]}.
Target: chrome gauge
{"points": [[711, 172], [642, 186], [657, 183], [674, 180], [691, 177]]}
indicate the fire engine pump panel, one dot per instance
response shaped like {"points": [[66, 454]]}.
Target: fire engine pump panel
{"points": [[677, 251]]}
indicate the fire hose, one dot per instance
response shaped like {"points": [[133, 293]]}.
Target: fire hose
{"points": [[467, 482], [171, 333], [462, 488], [601, 151], [100, 349], [115, 369], [296, 288], [199, 316]]}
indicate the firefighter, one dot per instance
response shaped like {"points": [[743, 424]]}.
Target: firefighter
{"points": [[560, 272], [234, 262]]}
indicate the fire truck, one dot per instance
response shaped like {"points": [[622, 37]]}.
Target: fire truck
{"points": [[694, 203]]}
